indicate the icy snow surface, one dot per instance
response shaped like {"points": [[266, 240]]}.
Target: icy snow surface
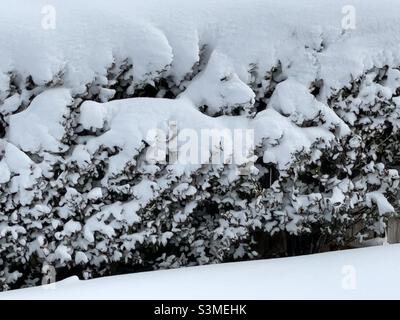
{"points": [[318, 276]]}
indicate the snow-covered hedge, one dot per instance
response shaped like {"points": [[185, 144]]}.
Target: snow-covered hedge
{"points": [[78, 100]]}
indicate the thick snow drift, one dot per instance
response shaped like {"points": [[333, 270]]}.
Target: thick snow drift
{"points": [[369, 273], [168, 35]]}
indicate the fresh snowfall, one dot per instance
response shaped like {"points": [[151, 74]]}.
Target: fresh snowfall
{"points": [[369, 273], [215, 138]]}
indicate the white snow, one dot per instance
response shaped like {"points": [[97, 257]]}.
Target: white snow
{"points": [[233, 44], [219, 86], [167, 39], [383, 205], [289, 99], [41, 126], [95, 194], [156, 35], [130, 120], [17, 167], [368, 273]]}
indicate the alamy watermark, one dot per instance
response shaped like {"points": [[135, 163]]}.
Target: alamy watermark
{"points": [[49, 17], [201, 146], [349, 277], [349, 20]]}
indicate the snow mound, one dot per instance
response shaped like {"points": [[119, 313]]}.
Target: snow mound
{"points": [[127, 123], [346, 274], [175, 32], [42, 126]]}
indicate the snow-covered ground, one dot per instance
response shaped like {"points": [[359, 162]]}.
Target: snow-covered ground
{"points": [[369, 273]]}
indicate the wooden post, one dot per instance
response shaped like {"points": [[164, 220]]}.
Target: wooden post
{"points": [[393, 232]]}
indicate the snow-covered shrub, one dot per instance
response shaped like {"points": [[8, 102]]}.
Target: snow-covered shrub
{"points": [[79, 192]]}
